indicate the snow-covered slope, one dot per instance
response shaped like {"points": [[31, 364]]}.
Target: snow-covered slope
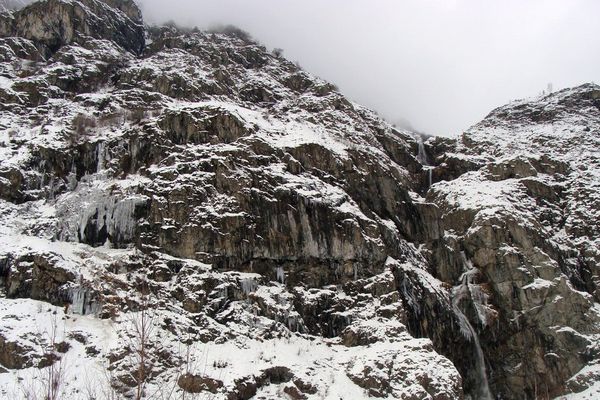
{"points": [[184, 214]]}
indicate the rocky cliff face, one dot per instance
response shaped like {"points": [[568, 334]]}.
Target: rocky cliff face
{"points": [[527, 219], [53, 24], [279, 239]]}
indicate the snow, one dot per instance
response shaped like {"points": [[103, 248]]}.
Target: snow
{"points": [[35, 324], [5, 83], [556, 138], [471, 191], [280, 133], [322, 362], [325, 363], [589, 378], [538, 284]]}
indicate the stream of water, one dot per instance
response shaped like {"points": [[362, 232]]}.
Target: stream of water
{"points": [[424, 160], [459, 292]]}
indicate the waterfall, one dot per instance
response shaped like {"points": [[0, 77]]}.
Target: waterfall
{"points": [[422, 154], [458, 293], [424, 160], [430, 176], [483, 391]]}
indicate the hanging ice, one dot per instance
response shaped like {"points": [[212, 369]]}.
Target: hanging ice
{"points": [[280, 275], [110, 219], [248, 285], [82, 302]]}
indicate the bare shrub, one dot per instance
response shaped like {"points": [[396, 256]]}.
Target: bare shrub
{"points": [[232, 30], [140, 331], [48, 383], [277, 52], [81, 128]]}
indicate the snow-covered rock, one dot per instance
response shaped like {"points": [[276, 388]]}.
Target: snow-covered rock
{"points": [[261, 236], [527, 218]]}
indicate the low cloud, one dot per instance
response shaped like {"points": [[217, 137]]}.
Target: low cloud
{"points": [[437, 65], [440, 64]]}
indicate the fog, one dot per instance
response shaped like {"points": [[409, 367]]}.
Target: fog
{"points": [[440, 64]]}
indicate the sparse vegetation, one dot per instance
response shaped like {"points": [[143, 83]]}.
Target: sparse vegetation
{"points": [[277, 52], [140, 332], [81, 128], [220, 364], [48, 382], [232, 30]]}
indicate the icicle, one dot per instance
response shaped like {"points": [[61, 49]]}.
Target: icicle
{"points": [[280, 275], [78, 301], [291, 323], [117, 217], [72, 178], [100, 156], [51, 186], [122, 219], [81, 301], [410, 298], [248, 285]]}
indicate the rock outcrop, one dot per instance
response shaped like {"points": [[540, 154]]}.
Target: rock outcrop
{"points": [[526, 222], [53, 24], [280, 239]]}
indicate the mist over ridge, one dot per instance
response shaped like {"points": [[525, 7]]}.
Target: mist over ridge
{"points": [[442, 65]]}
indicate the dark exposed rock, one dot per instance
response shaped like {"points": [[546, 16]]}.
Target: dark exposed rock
{"points": [[39, 277], [14, 355], [11, 181], [191, 383], [55, 23], [202, 126], [524, 283], [294, 392], [48, 360], [14, 48]]}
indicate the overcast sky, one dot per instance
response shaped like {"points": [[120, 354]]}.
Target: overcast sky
{"points": [[440, 64]]}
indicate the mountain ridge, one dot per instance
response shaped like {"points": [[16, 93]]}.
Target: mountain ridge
{"points": [[251, 205]]}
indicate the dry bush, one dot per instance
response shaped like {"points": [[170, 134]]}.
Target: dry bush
{"points": [[48, 382], [81, 128]]}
